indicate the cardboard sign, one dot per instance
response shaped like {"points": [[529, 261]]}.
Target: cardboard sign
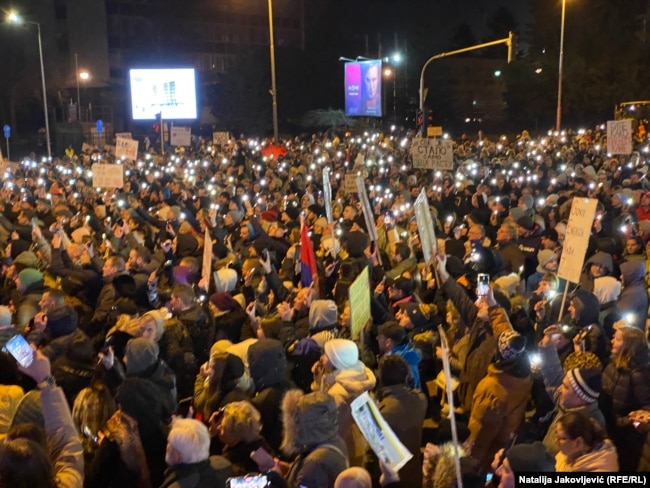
{"points": [[181, 136], [220, 138], [359, 294], [578, 230], [109, 149], [432, 153], [619, 136], [87, 148], [108, 175], [368, 214], [426, 229], [350, 183], [123, 135], [126, 148], [435, 131], [381, 438]]}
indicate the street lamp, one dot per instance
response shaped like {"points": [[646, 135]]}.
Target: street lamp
{"points": [[558, 115], [274, 94], [14, 18]]}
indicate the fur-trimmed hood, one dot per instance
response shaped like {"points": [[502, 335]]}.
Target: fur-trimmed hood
{"points": [[309, 420]]}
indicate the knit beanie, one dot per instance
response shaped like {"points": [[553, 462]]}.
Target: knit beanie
{"points": [[511, 344], [140, 354], [544, 257], [343, 354], [61, 321], [27, 259], [223, 301], [586, 382], [582, 360], [29, 276], [322, 313], [527, 458]]}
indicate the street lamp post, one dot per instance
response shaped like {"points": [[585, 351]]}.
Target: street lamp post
{"points": [[274, 94], [558, 115], [16, 19]]}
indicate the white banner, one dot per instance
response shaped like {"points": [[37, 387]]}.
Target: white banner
{"points": [[578, 230], [359, 294], [619, 136], [350, 183], [432, 153], [126, 148], [381, 438], [181, 136], [426, 230], [123, 135], [108, 175]]}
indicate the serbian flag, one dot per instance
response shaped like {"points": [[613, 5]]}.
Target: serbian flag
{"points": [[308, 270]]}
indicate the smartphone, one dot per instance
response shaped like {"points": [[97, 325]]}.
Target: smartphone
{"points": [[253, 481], [20, 349], [483, 284], [265, 254], [263, 459]]}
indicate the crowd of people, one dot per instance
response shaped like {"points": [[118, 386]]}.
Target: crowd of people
{"points": [[152, 368]]}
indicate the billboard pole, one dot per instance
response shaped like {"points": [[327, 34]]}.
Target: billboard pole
{"points": [[162, 135]]}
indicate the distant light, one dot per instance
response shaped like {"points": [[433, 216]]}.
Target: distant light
{"points": [[497, 73], [538, 70], [397, 57], [84, 75]]}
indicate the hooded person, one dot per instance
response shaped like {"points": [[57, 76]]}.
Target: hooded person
{"points": [[186, 245], [218, 383], [132, 452], [582, 319], [500, 399], [267, 364], [141, 361], [231, 321], [30, 287], [323, 321], [632, 303], [607, 289], [600, 264], [312, 433], [341, 374]]}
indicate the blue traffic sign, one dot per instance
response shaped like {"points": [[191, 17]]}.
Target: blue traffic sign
{"points": [[100, 125], [7, 131]]}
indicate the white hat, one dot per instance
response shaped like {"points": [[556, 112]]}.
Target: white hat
{"points": [[342, 353]]}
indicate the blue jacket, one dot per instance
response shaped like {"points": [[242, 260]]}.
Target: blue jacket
{"points": [[413, 357]]}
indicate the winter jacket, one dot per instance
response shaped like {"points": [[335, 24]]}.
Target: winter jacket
{"points": [[27, 307], [404, 410], [177, 351], [553, 375], [268, 364], [623, 391], [500, 402], [588, 309], [482, 340], [413, 357], [405, 265], [344, 386], [201, 331], [634, 297], [233, 325], [239, 455], [64, 444], [311, 433], [210, 473], [513, 259], [603, 457]]}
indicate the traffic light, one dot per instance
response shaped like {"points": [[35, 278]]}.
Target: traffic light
{"points": [[513, 46]]}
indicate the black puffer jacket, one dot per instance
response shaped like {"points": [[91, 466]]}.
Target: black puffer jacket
{"points": [[267, 363]]}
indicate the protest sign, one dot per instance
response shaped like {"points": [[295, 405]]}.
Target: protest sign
{"points": [[359, 294], [126, 148], [432, 153], [368, 214], [578, 230], [425, 226], [381, 438], [619, 136], [220, 138], [181, 136], [108, 175], [87, 148], [123, 135], [350, 183], [327, 194]]}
